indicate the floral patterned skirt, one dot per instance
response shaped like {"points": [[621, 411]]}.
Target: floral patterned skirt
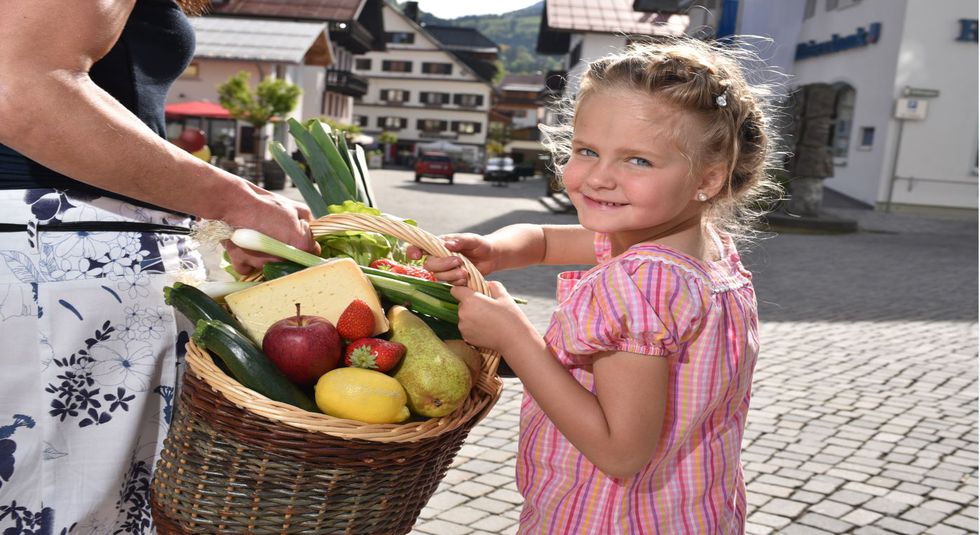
{"points": [[89, 358]]}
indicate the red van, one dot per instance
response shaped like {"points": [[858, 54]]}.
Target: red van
{"points": [[435, 165]]}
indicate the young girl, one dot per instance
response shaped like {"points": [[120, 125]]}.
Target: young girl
{"points": [[636, 398]]}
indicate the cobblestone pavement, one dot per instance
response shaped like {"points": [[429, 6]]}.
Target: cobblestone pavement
{"points": [[864, 412]]}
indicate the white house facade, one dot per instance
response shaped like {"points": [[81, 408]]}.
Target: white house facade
{"points": [[906, 74], [422, 93]]}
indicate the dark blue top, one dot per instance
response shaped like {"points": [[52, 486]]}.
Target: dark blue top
{"points": [[154, 48]]}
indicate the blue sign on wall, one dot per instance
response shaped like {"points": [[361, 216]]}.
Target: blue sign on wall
{"points": [[837, 43], [968, 30]]}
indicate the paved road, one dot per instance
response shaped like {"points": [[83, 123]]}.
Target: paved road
{"points": [[864, 413]]}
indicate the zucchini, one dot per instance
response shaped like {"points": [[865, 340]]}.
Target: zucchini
{"points": [[248, 365], [196, 305], [274, 270]]}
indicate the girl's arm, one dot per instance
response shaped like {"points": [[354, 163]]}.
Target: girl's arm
{"points": [[55, 114], [619, 427], [511, 247]]}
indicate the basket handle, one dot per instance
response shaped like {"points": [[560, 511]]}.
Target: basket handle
{"points": [[410, 234], [433, 245]]}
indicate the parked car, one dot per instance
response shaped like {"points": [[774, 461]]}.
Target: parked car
{"points": [[435, 165], [500, 169]]}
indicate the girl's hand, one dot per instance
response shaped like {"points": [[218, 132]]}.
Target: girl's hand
{"points": [[491, 321], [476, 248]]}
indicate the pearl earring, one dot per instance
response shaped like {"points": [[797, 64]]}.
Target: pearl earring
{"points": [[702, 196]]}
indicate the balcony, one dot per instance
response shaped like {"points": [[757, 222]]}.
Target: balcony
{"points": [[346, 83]]}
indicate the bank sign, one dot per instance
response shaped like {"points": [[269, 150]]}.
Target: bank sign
{"points": [[862, 37]]}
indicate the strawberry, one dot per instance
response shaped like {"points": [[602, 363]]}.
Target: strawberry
{"points": [[356, 321], [402, 269], [374, 354]]}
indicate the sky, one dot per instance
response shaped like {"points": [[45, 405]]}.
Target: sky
{"points": [[450, 9]]}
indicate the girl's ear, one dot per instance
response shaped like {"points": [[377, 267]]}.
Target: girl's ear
{"points": [[713, 179]]}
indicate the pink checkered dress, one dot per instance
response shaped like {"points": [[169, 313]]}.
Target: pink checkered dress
{"points": [[654, 301]]}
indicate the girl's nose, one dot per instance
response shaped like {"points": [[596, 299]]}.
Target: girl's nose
{"points": [[601, 177]]}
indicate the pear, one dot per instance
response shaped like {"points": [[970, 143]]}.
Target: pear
{"points": [[469, 354], [436, 380]]}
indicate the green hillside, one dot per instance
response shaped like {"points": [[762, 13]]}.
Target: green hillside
{"points": [[515, 32]]}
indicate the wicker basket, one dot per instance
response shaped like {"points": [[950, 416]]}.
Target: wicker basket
{"points": [[236, 462]]}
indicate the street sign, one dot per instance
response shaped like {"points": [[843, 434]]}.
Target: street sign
{"points": [[910, 109], [920, 92]]}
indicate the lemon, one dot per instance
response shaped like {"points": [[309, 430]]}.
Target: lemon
{"points": [[360, 394]]}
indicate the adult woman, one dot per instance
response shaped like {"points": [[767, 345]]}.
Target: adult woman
{"points": [[95, 204]]}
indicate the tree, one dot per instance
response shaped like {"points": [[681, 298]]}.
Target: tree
{"points": [[272, 98]]}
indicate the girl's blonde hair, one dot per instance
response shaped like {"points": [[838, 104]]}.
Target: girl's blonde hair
{"points": [[733, 120]]}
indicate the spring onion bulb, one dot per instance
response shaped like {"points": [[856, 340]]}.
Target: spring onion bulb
{"points": [[254, 240], [219, 289]]}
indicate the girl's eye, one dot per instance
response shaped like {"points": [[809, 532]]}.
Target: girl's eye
{"points": [[640, 162], [587, 152]]}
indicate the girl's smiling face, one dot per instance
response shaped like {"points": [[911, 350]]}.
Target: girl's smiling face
{"points": [[627, 175]]}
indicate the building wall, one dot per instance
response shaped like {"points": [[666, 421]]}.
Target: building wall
{"points": [[917, 48], [459, 81], [943, 147], [871, 71]]}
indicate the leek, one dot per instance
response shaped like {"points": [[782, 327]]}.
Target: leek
{"points": [[254, 240]]}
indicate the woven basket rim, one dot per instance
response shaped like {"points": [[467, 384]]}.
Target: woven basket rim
{"points": [[481, 399]]}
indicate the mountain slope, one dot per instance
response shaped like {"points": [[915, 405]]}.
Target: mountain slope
{"points": [[516, 33]]}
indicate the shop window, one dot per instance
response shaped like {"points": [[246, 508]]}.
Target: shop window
{"points": [[867, 137], [840, 131]]}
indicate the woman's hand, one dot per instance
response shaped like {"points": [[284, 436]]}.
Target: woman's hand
{"points": [[274, 216], [491, 321], [478, 249]]}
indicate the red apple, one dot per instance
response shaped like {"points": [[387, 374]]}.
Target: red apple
{"points": [[302, 347]]}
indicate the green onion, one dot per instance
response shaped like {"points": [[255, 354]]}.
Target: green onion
{"points": [[413, 298], [218, 289], [254, 240]]}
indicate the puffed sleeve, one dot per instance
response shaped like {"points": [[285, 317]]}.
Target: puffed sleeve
{"points": [[641, 306]]}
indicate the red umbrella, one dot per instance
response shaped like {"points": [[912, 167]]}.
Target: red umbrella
{"points": [[199, 108]]}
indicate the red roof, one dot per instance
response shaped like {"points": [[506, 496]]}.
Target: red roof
{"points": [[200, 108]]}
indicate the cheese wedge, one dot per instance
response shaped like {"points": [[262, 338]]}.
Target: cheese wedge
{"points": [[324, 290]]}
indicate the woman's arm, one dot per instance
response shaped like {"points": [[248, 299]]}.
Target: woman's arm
{"points": [[619, 427], [54, 113]]}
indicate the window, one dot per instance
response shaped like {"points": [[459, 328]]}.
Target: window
{"points": [[192, 71], [831, 5], [867, 137], [466, 127], [392, 123], [394, 95], [840, 131], [469, 101], [431, 125], [403, 38], [396, 66], [362, 64], [810, 9], [434, 98], [360, 120], [437, 68]]}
